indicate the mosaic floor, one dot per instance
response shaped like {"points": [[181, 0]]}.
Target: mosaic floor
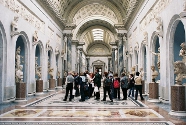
{"points": [[50, 109]]}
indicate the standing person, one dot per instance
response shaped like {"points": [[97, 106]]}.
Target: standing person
{"points": [[116, 85], [76, 84], [107, 82], [91, 84], [69, 86], [124, 85], [97, 82], [82, 85], [131, 85], [138, 86]]}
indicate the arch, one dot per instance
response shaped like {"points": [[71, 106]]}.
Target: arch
{"points": [[170, 37], [78, 7], [154, 46], [41, 54], [3, 61], [78, 27]]}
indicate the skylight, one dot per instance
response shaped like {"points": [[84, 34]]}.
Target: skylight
{"points": [[97, 34]]}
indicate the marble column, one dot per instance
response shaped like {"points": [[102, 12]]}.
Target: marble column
{"points": [[69, 51], [109, 63], [116, 61], [88, 63], [113, 59], [120, 53], [80, 60]]}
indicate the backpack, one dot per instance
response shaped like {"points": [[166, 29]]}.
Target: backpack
{"points": [[124, 83], [108, 82], [116, 84]]}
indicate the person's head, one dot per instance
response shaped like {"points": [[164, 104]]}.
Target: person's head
{"points": [[97, 70], [115, 75], [122, 74], [131, 75], [106, 74], [137, 73]]}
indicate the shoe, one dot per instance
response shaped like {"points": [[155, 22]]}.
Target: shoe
{"points": [[64, 100], [111, 100], [81, 100], [142, 99], [103, 100]]}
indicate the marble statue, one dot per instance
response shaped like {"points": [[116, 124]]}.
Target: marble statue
{"points": [[38, 69], [38, 72], [133, 70], [14, 24], [19, 74], [180, 71], [145, 41], [35, 37], [157, 54], [141, 72], [50, 72], [159, 26], [62, 52], [154, 73], [18, 57], [183, 50], [57, 50]]}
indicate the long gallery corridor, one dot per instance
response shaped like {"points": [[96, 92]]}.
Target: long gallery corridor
{"points": [[49, 109], [42, 42]]}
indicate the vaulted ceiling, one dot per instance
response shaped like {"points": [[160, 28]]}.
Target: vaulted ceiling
{"points": [[95, 20]]}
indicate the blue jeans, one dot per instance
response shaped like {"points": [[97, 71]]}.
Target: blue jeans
{"points": [[131, 90]]}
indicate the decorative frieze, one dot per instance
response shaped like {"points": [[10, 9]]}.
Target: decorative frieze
{"points": [[152, 14], [22, 11]]}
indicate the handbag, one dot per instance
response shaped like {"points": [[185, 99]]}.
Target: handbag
{"points": [[96, 89], [73, 91]]}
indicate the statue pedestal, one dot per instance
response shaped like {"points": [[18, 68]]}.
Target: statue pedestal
{"points": [[39, 87], [178, 101], [20, 92], [59, 83], [52, 84], [153, 92]]}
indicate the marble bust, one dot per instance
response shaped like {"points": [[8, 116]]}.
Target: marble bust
{"points": [[35, 37], [50, 72], [180, 71], [38, 72], [154, 73], [14, 24]]}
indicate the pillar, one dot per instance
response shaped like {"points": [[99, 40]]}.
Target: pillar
{"points": [[113, 59], [120, 53], [69, 51], [88, 63], [109, 63]]}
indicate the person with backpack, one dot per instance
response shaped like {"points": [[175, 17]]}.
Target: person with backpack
{"points": [[124, 85], [116, 85], [107, 82]]}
